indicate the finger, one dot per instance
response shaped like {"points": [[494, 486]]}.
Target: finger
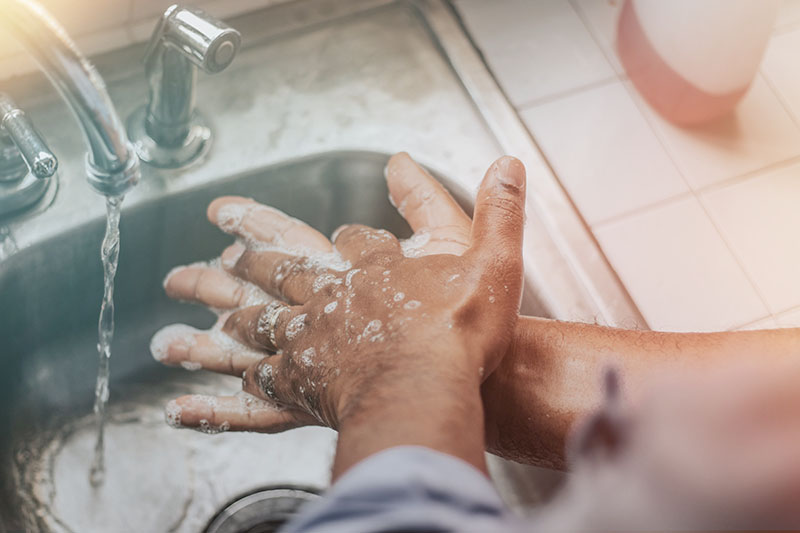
{"points": [[421, 200], [357, 243], [500, 211], [251, 326], [292, 278], [267, 380], [193, 349], [214, 414], [256, 222], [211, 287]]}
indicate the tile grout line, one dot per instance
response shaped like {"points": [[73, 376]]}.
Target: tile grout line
{"points": [[652, 206], [549, 99], [599, 42], [585, 87], [710, 188], [751, 322], [750, 175], [786, 311], [696, 196], [691, 191], [778, 95], [735, 255], [701, 193]]}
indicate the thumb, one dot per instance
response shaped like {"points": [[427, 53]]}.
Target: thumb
{"points": [[499, 217]]}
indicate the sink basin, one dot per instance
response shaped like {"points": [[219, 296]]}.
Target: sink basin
{"points": [[48, 364], [304, 119]]}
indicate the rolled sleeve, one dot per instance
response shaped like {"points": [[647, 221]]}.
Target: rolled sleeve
{"points": [[408, 488]]}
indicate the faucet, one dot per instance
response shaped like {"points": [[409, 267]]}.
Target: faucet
{"points": [[112, 167], [26, 162], [168, 132]]}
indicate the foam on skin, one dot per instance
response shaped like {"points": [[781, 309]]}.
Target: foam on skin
{"points": [[167, 335], [412, 247], [295, 326], [172, 414]]}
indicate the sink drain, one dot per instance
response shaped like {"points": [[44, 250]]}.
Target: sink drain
{"points": [[263, 511]]}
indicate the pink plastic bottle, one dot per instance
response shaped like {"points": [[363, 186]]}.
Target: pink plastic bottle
{"points": [[693, 60]]}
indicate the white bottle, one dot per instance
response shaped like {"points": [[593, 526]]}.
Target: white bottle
{"points": [[693, 60]]}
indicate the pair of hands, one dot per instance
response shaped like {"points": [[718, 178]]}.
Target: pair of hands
{"points": [[369, 321]]}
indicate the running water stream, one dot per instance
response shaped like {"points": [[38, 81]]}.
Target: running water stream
{"points": [[109, 254]]}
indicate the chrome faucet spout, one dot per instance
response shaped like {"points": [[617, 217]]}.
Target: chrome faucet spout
{"points": [[112, 167]]}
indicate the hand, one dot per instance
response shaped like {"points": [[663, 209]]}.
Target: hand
{"points": [[487, 278]]}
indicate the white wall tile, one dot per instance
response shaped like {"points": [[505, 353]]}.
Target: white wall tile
{"points": [[788, 14], [679, 271], [602, 17], [780, 68], [760, 218], [604, 152], [759, 133], [768, 322], [789, 319], [536, 49]]}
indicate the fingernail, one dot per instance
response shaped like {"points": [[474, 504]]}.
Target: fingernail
{"points": [[172, 273], [172, 414], [337, 231], [230, 256], [510, 171], [176, 335], [230, 216]]}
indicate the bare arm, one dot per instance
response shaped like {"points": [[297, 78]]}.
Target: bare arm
{"points": [[552, 376]]}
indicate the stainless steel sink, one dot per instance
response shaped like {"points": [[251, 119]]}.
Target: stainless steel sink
{"points": [[48, 369], [304, 120]]}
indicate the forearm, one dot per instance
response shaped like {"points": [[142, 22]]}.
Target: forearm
{"points": [[437, 410], [552, 376]]}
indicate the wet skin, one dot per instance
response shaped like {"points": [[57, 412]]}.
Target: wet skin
{"points": [[387, 349]]}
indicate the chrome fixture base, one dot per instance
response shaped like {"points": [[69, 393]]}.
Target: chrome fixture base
{"points": [[114, 183], [191, 149], [27, 165], [168, 131], [18, 196]]}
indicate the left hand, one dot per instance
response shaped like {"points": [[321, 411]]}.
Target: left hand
{"points": [[467, 284]]}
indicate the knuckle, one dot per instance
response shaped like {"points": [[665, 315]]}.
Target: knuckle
{"points": [[285, 271], [423, 193], [350, 234], [240, 295], [506, 205], [242, 263]]}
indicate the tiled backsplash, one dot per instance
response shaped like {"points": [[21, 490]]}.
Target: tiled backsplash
{"points": [[103, 25], [702, 225]]}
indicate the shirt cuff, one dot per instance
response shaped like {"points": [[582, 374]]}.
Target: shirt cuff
{"points": [[407, 488]]}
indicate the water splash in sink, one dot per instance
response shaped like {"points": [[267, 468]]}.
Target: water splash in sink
{"points": [[109, 254]]}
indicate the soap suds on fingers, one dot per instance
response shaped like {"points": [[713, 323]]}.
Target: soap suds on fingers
{"points": [[295, 326], [161, 341], [413, 247], [172, 414]]}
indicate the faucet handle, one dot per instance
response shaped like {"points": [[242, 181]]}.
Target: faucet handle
{"points": [[207, 42], [168, 132], [32, 148]]}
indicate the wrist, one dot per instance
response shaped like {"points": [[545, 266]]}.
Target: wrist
{"points": [[437, 408], [497, 391]]}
